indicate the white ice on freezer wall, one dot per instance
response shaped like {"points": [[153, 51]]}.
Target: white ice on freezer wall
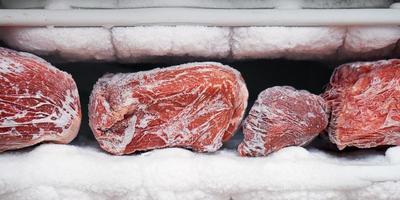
{"points": [[57, 4], [67, 172], [66, 4], [144, 43], [136, 43], [347, 3], [370, 42], [68, 43], [286, 42], [289, 4]]}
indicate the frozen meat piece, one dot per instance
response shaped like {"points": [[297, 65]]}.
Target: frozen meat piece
{"points": [[38, 102], [370, 42], [195, 106], [364, 100], [298, 43], [72, 44], [134, 44], [281, 117]]}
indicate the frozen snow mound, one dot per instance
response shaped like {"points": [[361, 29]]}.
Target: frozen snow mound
{"points": [[53, 171], [136, 44], [297, 43], [370, 42], [191, 43], [73, 44], [68, 4]]}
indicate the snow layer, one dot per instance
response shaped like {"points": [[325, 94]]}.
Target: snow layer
{"points": [[153, 43], [69, 172], [287, 42], [370, 42], [69, 43], [65, 4], [138, 43]]}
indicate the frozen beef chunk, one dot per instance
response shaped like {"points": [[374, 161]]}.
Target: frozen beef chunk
{"points": [[195, 106], [281, 117], [38, 102], [364, 99]]}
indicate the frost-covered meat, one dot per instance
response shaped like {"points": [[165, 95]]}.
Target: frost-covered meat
{"points": [[281, 117], [364, 99], [38, 102], [196, 106]]}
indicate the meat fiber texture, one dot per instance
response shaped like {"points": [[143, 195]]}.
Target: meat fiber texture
{"points": [[370, 42], [61, 172], [141, 43], [364, 100], [38, 102], [281, 117], [73, 44], [196, 106]]}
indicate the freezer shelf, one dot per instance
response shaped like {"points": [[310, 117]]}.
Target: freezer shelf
{"points": [[65, 172]]}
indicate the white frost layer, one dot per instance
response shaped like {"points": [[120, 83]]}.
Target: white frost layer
{"points": [[370, 42], [69, 43], [287, 42], [146, 43], [65, 4], [137, 43], [68, 172]]}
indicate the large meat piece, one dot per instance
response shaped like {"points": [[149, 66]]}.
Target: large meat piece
{"points": [[364, 98], [38, 102], [281, 117], [195, 106]]}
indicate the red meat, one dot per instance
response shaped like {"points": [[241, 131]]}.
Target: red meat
{"points": [[281, 117], [37, 102], [364, 99], [195, 106]]}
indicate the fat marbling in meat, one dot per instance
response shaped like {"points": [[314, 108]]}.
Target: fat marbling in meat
{"points": [[364, 99], [196, 106], [38, 102], [281, 117]]}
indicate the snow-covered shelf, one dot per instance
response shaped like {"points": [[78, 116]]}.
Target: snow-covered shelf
{"points": [[67, 4], [52, 171], [198, 16]]}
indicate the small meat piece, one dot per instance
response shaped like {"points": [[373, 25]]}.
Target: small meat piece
{"points": [[364, 99], [281, 117], [38, 102], [195, 106]]}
